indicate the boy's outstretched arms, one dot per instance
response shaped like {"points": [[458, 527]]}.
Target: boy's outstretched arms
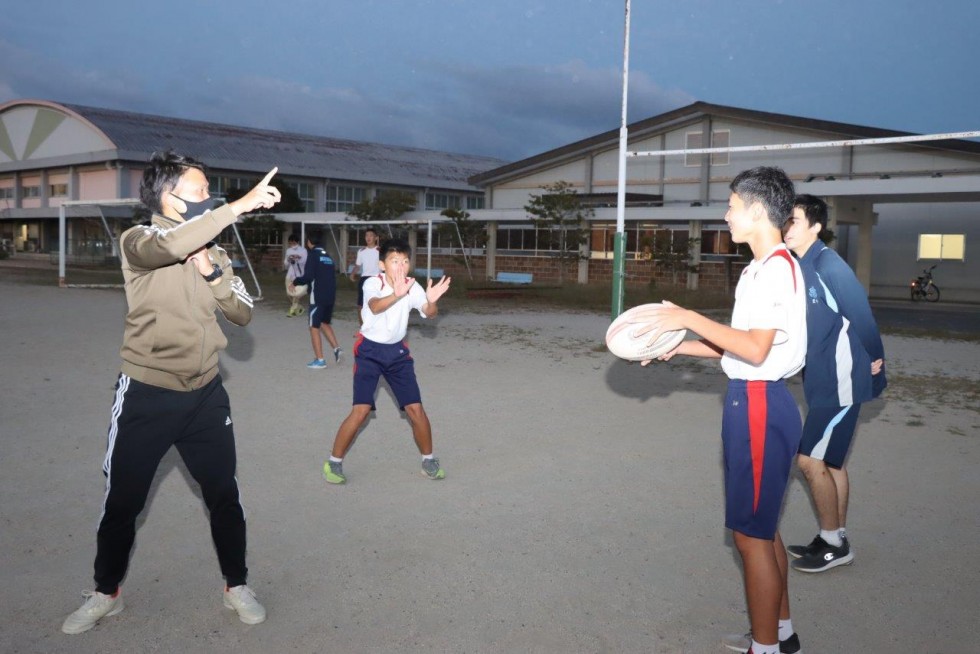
{"points": [[432, 294]]}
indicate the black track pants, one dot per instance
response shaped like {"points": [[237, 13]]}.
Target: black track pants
{"points": [[146, 421]]}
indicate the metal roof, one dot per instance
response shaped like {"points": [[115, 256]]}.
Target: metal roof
{"points": [[690, 114], [230, 147]]}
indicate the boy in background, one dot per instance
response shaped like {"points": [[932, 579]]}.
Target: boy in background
{"points": [[844, 367], [294, 261], [366, 266], [321, 276]]}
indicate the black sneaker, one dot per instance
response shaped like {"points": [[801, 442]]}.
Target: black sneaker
{"points": [[799, 551], [825, 558], [743, 643]]}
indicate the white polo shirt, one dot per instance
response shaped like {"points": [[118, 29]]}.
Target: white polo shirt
{"points": [[771, 295], [389, 326], [367, 259]]}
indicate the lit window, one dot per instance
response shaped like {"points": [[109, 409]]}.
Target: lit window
{"points": [[58, 190], [942, 246]]}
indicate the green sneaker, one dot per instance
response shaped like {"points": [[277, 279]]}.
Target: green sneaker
{"points": [[333, 472], [432, 470]]}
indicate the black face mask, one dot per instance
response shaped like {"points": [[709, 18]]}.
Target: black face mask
{"points": [[195, 209]]}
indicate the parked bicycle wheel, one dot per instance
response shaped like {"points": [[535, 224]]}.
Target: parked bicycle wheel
{"points": [[932, 293]]}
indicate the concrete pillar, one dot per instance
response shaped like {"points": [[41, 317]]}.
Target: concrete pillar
{"points": [[345, 247], [851, 211], [584, 259], [863, 268]]}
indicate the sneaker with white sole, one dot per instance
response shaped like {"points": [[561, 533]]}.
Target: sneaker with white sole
{"points": [[825, 558], [432, 469], [317, 364], [333, 472], [743, 643], [799, 551], [97, 606], [241, 599]]}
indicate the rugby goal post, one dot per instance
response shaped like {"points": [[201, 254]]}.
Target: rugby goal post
{"points": [[88, 242]]}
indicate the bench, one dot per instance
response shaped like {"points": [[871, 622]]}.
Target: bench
{"points": [[514, 278], [434, 273]]}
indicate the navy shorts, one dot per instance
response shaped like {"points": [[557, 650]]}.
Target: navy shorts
{"points": [[320, 314], [393, 362], [760, 434], [827, 433]]}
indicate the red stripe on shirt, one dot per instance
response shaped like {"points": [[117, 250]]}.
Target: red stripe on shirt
{"points": [[756, 391], [789, 259]]}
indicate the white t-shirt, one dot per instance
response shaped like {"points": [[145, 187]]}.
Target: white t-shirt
{"points": [[389, 326], [367, 259], [771, 295], [294, 269]]}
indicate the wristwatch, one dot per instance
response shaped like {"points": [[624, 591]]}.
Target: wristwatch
{"points": [[215, 274]]}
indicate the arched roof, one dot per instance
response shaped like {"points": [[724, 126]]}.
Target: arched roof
{"points": [[39, 133]]}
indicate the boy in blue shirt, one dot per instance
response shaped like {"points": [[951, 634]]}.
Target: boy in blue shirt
{"points": [[844, 367], [321, 274], [381, 351]]}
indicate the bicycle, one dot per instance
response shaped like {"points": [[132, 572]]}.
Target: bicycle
{"points": [[924, 288]]}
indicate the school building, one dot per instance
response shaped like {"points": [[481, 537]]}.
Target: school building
{"points": [[52, 153], [895, 208]]}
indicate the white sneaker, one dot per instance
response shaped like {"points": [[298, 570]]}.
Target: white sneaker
{"points": [[242, 600], [96, 607]]}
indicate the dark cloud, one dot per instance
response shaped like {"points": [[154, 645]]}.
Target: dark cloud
{"points": [[509, 112]]}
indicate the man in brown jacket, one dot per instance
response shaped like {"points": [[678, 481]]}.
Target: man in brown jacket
{"points": [[169, 392]]}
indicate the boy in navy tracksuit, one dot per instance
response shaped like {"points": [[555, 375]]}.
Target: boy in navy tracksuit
{"points": [[320, 273], [844, 367]]}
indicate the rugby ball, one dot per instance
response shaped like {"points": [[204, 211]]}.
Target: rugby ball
{"points": [[299, 291], [621, 338]]}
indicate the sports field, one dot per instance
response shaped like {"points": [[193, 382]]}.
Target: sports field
{"points": [[581, 512]]}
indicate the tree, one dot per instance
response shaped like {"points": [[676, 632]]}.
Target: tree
{"points": [[674, 254], [561, 220], [473, 234]]}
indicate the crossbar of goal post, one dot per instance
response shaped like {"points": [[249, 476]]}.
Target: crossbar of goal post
{"points": [[886, 140]]}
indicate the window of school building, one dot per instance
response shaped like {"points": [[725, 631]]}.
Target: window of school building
{"points": [[942, 247]]}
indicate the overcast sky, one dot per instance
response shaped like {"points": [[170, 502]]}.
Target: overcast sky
{"points": [[506, 78]]}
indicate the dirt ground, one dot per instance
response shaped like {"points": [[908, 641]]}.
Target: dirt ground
{"points": [[581, 512]]}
